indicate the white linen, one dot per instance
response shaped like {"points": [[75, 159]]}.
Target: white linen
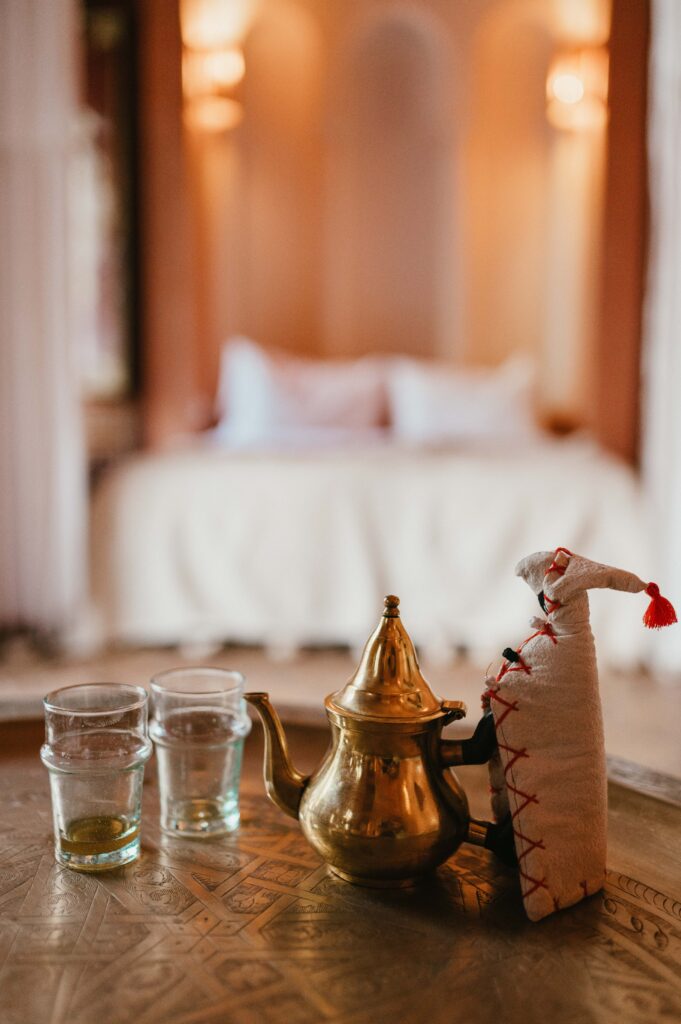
{"points": [[287, 550], [262, 395], [437, 403], [43, 488], [662, 345]]}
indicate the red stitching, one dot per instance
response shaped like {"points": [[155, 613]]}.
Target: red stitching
{"points": [[583, 886], [560, 570], [528, 798], [519, 666], [532, 844], [539, 883], [554, 567], [546, 630], [509, 666], [517, 754], [509, 705]]}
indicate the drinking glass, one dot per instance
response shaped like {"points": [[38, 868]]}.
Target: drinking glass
{"points": [[199, 725], [96, 746]]}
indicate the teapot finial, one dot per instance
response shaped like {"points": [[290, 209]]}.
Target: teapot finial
{"points": [[388, 684]]}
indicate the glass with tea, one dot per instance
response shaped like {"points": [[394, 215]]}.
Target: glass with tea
{"points": [[96, 746]]}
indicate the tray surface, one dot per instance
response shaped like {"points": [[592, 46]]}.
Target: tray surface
{"points": [[252, 930]]}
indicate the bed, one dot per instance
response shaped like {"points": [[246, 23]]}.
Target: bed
{"points": [[291, 548]]}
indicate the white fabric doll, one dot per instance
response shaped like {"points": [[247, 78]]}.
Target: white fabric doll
{"points": [[548, 771]]}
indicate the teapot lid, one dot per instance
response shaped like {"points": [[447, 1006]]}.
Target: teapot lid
{"points": [[388, 683]]}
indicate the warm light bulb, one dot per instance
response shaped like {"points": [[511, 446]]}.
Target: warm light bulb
{"points": [[206, 72], [209, 24], [567, 88], [213, 62], [577, 90], [212, 113], [225, 67]]}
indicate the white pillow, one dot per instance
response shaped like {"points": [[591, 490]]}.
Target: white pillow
{"points": [[435, 403], [263, 396]]}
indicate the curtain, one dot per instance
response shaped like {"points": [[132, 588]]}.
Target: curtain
{"points": [[42, 466], [662, 329]]}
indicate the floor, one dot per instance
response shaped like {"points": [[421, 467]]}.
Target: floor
{"points": [[641, 713]]}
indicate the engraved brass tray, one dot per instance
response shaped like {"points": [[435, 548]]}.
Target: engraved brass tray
{"points": [[252, 929]]}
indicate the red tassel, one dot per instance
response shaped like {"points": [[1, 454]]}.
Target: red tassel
{"points": [[660, 612]]}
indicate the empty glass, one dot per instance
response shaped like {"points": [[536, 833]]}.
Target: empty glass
{"points": [[96, 746], [199, 725]]}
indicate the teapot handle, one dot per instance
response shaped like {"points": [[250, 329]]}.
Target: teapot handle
{"points": [[477, 749], [454, 710], [451, 752]]}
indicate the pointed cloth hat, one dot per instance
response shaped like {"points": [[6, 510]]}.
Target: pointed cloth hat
{"points": [[559, 575]]}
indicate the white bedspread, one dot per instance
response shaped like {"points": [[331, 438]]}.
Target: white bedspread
{"points": [[287, 550]]}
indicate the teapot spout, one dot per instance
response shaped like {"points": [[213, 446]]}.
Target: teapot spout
{"points": [[284, 785]]}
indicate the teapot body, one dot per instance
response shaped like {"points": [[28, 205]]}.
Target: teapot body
{"points": [[382, 809]]}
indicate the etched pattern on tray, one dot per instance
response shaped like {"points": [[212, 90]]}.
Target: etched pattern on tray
{"points": [[250, 929]]}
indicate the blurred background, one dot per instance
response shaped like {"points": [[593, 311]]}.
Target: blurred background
{"points": [[306, 302]]}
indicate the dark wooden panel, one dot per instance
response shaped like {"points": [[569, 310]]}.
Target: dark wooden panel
{"points": [[618, 374], [166, 252]]}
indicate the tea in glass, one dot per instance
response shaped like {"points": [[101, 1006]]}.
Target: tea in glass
{"points": [[96, 746]]}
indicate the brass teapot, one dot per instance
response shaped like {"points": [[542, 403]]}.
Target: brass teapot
{"points": [[383, 806]]}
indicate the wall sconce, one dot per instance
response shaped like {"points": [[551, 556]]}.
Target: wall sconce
{"points": [[577, 90], [213, 62], [208, 80]]}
